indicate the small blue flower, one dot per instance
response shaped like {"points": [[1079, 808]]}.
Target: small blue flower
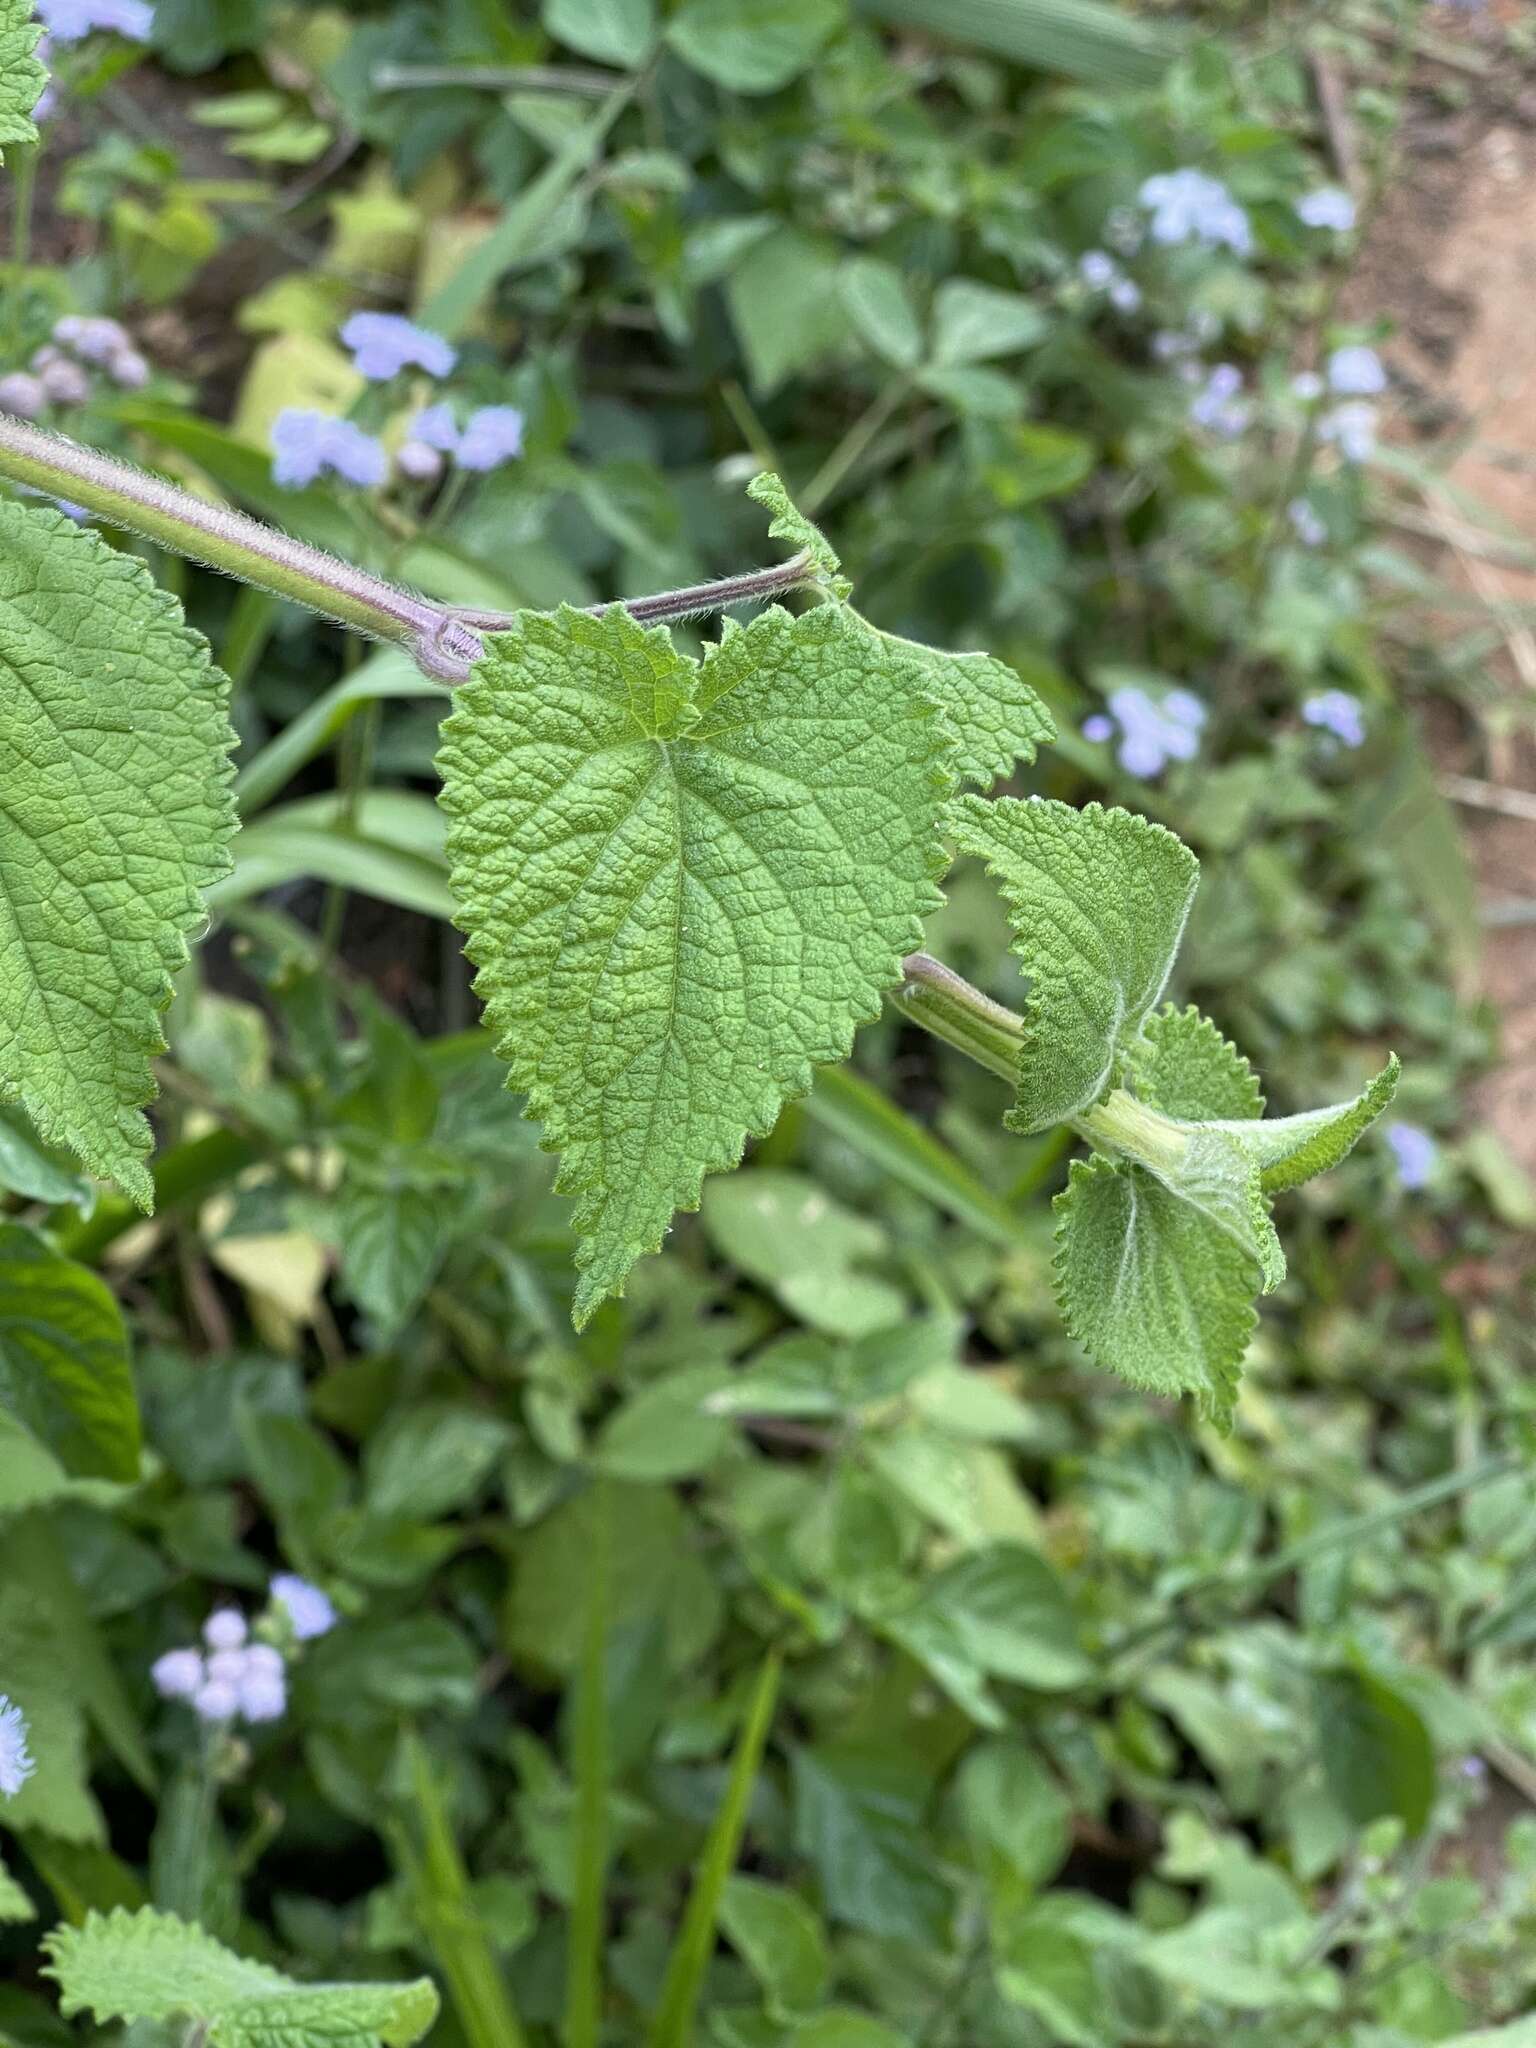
{"points": [[309, 1611], [68, 21], [178, 1674], [1190, 206], [1307, 386], [1351, 428], [1415, 1152], [1328, 207], [1125, 295], [1153, 730], [491, 436], [1356, 372], [1308, 527], [1097, 269], [1217, 406], [16, 1762], [306, 444], [1336, 712], [384, 344], [437, 428]]}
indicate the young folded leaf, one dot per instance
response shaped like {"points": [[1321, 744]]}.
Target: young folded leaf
{"points": [[153, 1966], [685, 884], [22, 77], [1151, 1287], [1099, 900], [789, 523], [114, 739]]}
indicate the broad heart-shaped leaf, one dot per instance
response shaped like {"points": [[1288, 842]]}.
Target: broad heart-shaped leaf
{"points": [[1098, 902], [1151, 1288], [154, 1966], [684, 885], [22, 77], [113, 758], [64, 1358], [1183, 1066]]}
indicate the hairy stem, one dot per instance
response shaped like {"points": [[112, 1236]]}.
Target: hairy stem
{"points": [[946, 1004], [443, 641]]}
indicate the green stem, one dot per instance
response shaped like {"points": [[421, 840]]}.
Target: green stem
{"points": [[852, 446], [946, 1004], [443, 641]]}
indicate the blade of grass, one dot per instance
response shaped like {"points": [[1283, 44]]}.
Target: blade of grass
{"points": [[589, 1758], [440, 1891], [513, 242], [854, 1110], [672, 2024], [1079, 38]]}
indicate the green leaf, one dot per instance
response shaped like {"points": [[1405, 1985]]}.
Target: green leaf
{"points": [[611, 31], [1377, 1754], [782, 1230], [149, 1965], [392, 1237], [1080, 38], [973, 322], [789, 523], [859, 1821], [667, 1430], [753, 46], [1291, 1149], [1016, 1818], [781, 1941], [1098, 905], [993, 717], [40, 1172], [784, 305], [881, 309], [113, 744], [22, 77], [1183, 1066], [684, 884], [1152, 1288], [64, 1358]]}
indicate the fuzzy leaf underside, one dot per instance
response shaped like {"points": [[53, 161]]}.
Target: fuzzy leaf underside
{"points": [[1152, 1289], [22, 77], [1288, 1150], [1183, 1066], [684, 885], [154, 1966], [993, 718], [1098, 901], [115, 814]]}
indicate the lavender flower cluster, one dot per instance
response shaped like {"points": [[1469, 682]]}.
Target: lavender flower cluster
{"points": [[308, 445], [1152, 731], [16, 1761], [70, 21], [232, 1678], [60, 372], [1191, 206]]}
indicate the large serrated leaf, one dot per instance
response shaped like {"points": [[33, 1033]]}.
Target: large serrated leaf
{"points": [[113, 759], [1151, 1288], [64, 1358], [684, 886], [22, 77], [1098, 902], [154, 1966]]}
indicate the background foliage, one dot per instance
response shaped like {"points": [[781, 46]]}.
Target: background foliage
{"points": [[974, 1698]]}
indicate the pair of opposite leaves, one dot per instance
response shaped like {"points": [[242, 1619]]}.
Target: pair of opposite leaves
{"points": [[685, 883]]}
